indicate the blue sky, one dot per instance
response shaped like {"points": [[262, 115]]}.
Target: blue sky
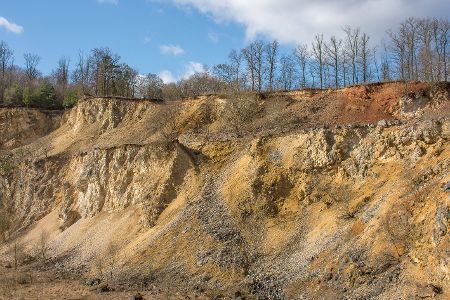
{"points": [[143, 33], [175, 37]]}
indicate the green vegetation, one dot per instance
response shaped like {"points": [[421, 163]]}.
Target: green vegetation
{"points": [[70, 98]]}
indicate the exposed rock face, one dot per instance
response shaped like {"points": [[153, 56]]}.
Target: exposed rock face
{"points": [[284, 206], [20, 126]]}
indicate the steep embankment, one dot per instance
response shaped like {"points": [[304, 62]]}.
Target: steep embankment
{"points": [[299, 195], [20, 126]]}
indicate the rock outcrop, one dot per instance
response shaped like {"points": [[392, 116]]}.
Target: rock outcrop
{"points": [[306, 195]]}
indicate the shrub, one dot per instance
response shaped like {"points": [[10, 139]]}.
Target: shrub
{"points": [[45, 96], [70, 98], [13, 94], [27, 96]]}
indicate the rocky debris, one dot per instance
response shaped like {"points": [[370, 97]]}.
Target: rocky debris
{"points": [[441, 223], [342, 203], [446, 187], [93, 281], [266, 286], [138, 296], [104, 288]]}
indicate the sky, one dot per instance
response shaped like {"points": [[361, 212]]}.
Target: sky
{"points": [[176, 38]]}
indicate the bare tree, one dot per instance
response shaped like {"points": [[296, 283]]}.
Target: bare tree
{"points": [[425, 34], [364, 56], [302, 55], [409, 31], [225, 72], [106, 67], [6, 62], [271, 54], [352, 47], [254, 56], [318, 52], [441, 30], [333, 50], [385, 65], [62, 72], [345, 67], [82, 72], [31, 63], [287, 72], [153, 87], [376, 64], [235, 58], [398, 51]]}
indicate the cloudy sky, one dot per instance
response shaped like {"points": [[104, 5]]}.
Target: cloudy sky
{"points": [[174, 38]]}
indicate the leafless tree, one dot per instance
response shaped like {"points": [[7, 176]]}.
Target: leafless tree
{"points": [[398, 50], [364, 56], [254, 57], [441, 30], [318, 52], [409, 31], [152, 87], [106, 67], [62, 72], [31, 63], [82, 72], [425, 34], [376, 64], [271, 54], [302, 55], [333, 51], [235, 58], [225, 72], [6, 62], [287, 72], [352, 47], [385, 64]]}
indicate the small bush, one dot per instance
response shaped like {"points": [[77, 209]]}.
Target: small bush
{"points": [[70, 98], [6, 165]]}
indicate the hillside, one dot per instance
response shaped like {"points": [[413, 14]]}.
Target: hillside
{"points": [[333, 194]]}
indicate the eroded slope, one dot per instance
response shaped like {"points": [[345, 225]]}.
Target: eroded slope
{"points": [[300, 195]]}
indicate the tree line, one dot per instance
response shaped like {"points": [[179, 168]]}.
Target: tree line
{"points": [[416, 50]]}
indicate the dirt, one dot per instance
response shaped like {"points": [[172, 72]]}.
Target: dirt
{"points": [[334, 194]]}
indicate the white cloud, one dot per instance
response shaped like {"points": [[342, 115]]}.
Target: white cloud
{"points": [[167, 76], [147, 40], [193, 68], [213, 37], [114, 2], [190, 68], [171, 49], [292, 21], [9, 26]]}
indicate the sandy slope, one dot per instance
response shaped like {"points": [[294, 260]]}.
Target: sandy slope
{"points": [[299, 195]]}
